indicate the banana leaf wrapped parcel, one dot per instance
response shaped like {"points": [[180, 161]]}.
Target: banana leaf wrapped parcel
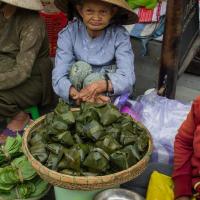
{"points": [[95, 140], [18, 180], [11, 149]]}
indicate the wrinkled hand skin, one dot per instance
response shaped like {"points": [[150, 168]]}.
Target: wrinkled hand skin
{"points": [[75, 95], [99, 99], [102, 99], [92, 90], [91, 93]]}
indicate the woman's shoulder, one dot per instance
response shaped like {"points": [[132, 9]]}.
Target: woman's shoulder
{"points": [[119, 31], [72, 27], [28, 17]]}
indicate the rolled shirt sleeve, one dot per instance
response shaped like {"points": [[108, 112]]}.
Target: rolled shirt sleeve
{"points": [[124, 77], [63, 61]]}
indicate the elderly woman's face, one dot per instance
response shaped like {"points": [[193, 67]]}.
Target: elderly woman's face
{"points": [[96, 14]]}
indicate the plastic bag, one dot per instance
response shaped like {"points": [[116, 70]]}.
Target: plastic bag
{"points": [[160, 187], [161, 116]]}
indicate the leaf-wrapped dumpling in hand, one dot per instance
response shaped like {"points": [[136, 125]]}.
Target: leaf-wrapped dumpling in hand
{"points": [[108, 144], [97, 160]]}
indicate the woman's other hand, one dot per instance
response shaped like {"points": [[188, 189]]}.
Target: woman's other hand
{"points": [[99, 99], [91, 90], [74, 94], [102, 99]]}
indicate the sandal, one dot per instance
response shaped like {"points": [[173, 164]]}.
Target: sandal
{"points": [[11, 133]]}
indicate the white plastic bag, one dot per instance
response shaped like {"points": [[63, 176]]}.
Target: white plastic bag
{"points": [[162, 117]]}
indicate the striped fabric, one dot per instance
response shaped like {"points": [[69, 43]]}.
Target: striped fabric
{"points": [[151, 15]]}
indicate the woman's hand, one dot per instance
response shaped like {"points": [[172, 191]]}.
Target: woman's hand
{"points": [[92, 90], [102, 99], [74, 94], [99, 99]]}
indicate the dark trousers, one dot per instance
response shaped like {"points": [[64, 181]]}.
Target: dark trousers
{"points": [[140, 184], [27, 94]]}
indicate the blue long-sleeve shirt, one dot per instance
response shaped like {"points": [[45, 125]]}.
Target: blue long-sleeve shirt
{"points": [[113, 46]]}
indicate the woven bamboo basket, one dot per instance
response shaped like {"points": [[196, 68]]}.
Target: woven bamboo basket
{"points": [[84, 182]]}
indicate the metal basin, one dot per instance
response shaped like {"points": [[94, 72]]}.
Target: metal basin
{"points": [[118, 194]]}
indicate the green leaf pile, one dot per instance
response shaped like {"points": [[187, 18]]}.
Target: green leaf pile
{"points": [[18, 180]]}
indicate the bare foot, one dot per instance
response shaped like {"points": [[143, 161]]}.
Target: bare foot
{"points": [[19, 121]]}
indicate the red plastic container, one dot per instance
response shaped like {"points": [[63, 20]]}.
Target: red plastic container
{"points": [[55, 22]]}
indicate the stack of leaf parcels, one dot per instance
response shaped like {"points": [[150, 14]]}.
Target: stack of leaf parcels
{"points": [[97, 140], [18, 180]]}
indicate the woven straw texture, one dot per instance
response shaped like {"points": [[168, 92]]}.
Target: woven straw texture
{"points": [[83, 182], [27, 4]]}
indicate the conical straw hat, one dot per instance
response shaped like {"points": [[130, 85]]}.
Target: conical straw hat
{"points": [[27, 4], [126, 14]]}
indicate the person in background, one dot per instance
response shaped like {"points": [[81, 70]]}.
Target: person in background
{"points": [[94, 55], [25, 66], [186, 173]]}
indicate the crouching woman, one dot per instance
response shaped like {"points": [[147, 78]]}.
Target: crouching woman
{"points": [[25, 68]]}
